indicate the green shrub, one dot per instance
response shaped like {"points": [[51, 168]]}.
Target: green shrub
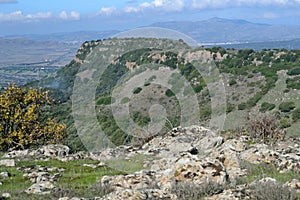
{"points": [[105, 101], [296, 114], [232, 82], [147, 84], [250, 75], [286, 106], [137, 90], [285, 123], [242, 106], [293, 83], [294, 71], [230, 107], [265, 106], [198, 88], [125, 100], [286, 91], [169, 93]]}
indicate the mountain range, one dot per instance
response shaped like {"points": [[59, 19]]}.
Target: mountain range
{"points": [[218, 30]]}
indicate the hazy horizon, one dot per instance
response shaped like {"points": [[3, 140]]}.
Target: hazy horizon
{"points": [[53, 16]]}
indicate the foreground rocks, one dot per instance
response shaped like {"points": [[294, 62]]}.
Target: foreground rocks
{"points": [[196, 157], [190, 162]]}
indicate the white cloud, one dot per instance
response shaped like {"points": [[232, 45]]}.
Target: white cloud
{"points": [[69, 16], [178, 5], [270, 15], [107, 10], [166, 5], [19, 16], [40, 15], [202, 4]]}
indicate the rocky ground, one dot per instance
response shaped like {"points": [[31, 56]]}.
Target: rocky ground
{"points": [[187, 163]]}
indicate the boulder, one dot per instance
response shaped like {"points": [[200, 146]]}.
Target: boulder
{"points": [[40, 188], [6, 195], [8, 163], [4, 175]]}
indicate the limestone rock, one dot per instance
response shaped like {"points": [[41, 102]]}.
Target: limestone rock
{"points": [[6, 195], [4, 175], [7, 163], [40, 188]]}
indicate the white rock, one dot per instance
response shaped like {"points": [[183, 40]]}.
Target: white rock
{"points": [[4, 175], [6, 195], [40, 188], [8, 163]]}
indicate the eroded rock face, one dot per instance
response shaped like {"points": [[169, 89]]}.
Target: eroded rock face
{"points": [[196, 155], [183, 140], [183, 159]]}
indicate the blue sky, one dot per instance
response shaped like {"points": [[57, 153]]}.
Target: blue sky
{"points": [[51, 16]]}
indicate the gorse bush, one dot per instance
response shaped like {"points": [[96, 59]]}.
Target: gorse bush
{"points": [[23, 122]]}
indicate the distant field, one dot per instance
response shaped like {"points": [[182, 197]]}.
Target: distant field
{"points": [[287, 44], [20, 51], [24, 74]]}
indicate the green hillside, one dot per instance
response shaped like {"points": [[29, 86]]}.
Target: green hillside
{"points": [[256, 83]]}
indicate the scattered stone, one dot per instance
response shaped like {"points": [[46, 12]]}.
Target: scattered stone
{"points": [[4, 175], [40, 188], [6, 195], [17, 154], [38, 177], [8, 163], [94, 166], [55, 150], [294, 184], [64, 198]]}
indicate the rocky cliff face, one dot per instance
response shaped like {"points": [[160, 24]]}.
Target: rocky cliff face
{"points": [[188, 163]]}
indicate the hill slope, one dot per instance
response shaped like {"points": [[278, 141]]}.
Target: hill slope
{"points": [[252, 80]]}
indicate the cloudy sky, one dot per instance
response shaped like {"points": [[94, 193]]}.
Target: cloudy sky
{"points": [[52, 16]]}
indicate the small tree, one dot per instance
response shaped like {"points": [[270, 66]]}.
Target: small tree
{"points": [[23, 122], [266, 128]]}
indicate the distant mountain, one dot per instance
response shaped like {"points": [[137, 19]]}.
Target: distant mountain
{"points": [[75, 37], [218, 30]]}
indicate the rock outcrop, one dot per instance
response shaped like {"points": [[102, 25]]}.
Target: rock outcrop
{"points": [[197, 156], [191, 162]]}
